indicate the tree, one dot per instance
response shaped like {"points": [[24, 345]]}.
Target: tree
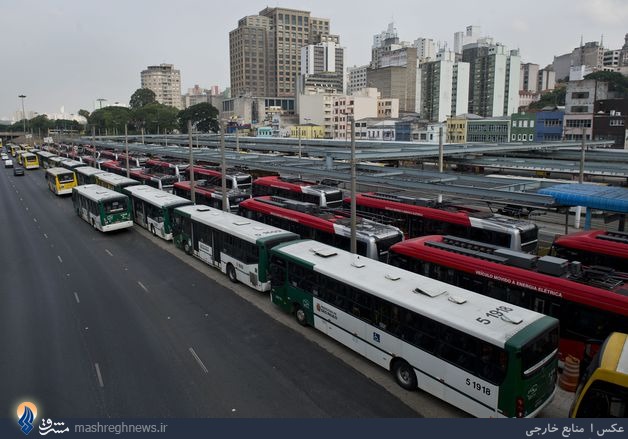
{"points": [[204, 116], [554, 98], [40, 125], [616, 81], [110, 119], [84, 113], [155, 117], [141, 98]]}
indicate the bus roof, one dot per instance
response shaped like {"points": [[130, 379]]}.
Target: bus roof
{"points": [[244, 228], [46, 154], [156, 196], [309, 216], [115, 179], [89, 170], [427, 208], [70, 163], [437, 300], [98, 193], [521, 269], [296, 184], [596, 241], [614, 356], [59, 171]]}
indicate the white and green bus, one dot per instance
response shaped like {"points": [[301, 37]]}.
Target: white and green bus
{"points": [[114, 182], [237, 246], [87, 174], [104, 209], [153, 208], [486, 357]]}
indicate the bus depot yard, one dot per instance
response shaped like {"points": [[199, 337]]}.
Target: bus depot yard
{"points": [[479, 337]]}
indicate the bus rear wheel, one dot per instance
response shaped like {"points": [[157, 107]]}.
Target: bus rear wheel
{"points": [[232, 274], [404, 374], [299, 314]]}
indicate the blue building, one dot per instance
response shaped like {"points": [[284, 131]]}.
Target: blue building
{"points": [[549, 125]]}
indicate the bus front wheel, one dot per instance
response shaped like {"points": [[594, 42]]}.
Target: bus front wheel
{"points": [[299, 314], [232, 274], [404, 374]]}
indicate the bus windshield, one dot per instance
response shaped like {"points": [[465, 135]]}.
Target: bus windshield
{"points": [[66, 178], [538, 352], [114, 206]]}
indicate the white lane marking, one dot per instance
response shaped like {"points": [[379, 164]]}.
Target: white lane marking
{"points": [[142, 286], [198, 360], [35, 219], [60, 260], [76, 297], [99, 375], [108, 252], [45, 236]]}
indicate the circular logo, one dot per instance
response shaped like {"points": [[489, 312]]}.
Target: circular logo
{"points": [[22, 408]]}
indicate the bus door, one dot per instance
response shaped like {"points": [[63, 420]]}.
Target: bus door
{"points": [[138, 213], [218, 246]]}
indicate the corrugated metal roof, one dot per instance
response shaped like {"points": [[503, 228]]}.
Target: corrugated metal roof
{"points": [[608, 198]]}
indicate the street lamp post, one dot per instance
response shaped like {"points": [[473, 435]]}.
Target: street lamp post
{"points": [[23, 112], [353, 242], [223, 166], [100, 101]]}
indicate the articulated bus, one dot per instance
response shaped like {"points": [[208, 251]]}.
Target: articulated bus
{"points": [[210, 195], [114, 182], [236, 246], [87, 174], [420, 217], [297, 189], [484, 356], [594, 247], [213, 176], [603, 389], [61, 181], [104, 209], [373, 239], [153, 209], [589, 302], [44, 158], [29, 160]]}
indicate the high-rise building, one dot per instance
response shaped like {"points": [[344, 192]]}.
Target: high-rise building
{"points": [[396, 76], [322, 65], [265, 51], [461, 39], [357, 78], [529, 77], [623, 56], [494, 78], [165, 82], [444, 88], [426, 49]]}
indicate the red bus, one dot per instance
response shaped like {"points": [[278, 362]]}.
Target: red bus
{"points": [[175, 168], [297, 189], [589, 302], [420, 217], [213, 176], [373, 239], [160, 181], [210, 195], [594, 247]]}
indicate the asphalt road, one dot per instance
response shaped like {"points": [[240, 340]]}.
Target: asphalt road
{"points": [[95, 325]]}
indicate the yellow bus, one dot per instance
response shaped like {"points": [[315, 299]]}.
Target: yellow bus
{"points": [[61, 180], [603, 391], [15, 149], [28, 160]]}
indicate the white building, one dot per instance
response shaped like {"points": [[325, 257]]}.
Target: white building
{"points": [[361, 105], [165, 81], [444, 89], [470, 35], [426, 49]]}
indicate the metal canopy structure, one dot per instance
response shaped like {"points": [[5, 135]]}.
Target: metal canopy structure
{"points": [[475, 188], [340, 149], [602, 169]]}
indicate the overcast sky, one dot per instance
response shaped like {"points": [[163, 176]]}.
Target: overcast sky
{"points": [[68, 53]]}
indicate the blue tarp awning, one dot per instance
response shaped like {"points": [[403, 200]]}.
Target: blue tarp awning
{"points": [[608, 198]]}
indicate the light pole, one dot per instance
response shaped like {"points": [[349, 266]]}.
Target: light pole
{"points": [[23, 112], [191, 165], [223, 166], [100, 101], [353, 242]]}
